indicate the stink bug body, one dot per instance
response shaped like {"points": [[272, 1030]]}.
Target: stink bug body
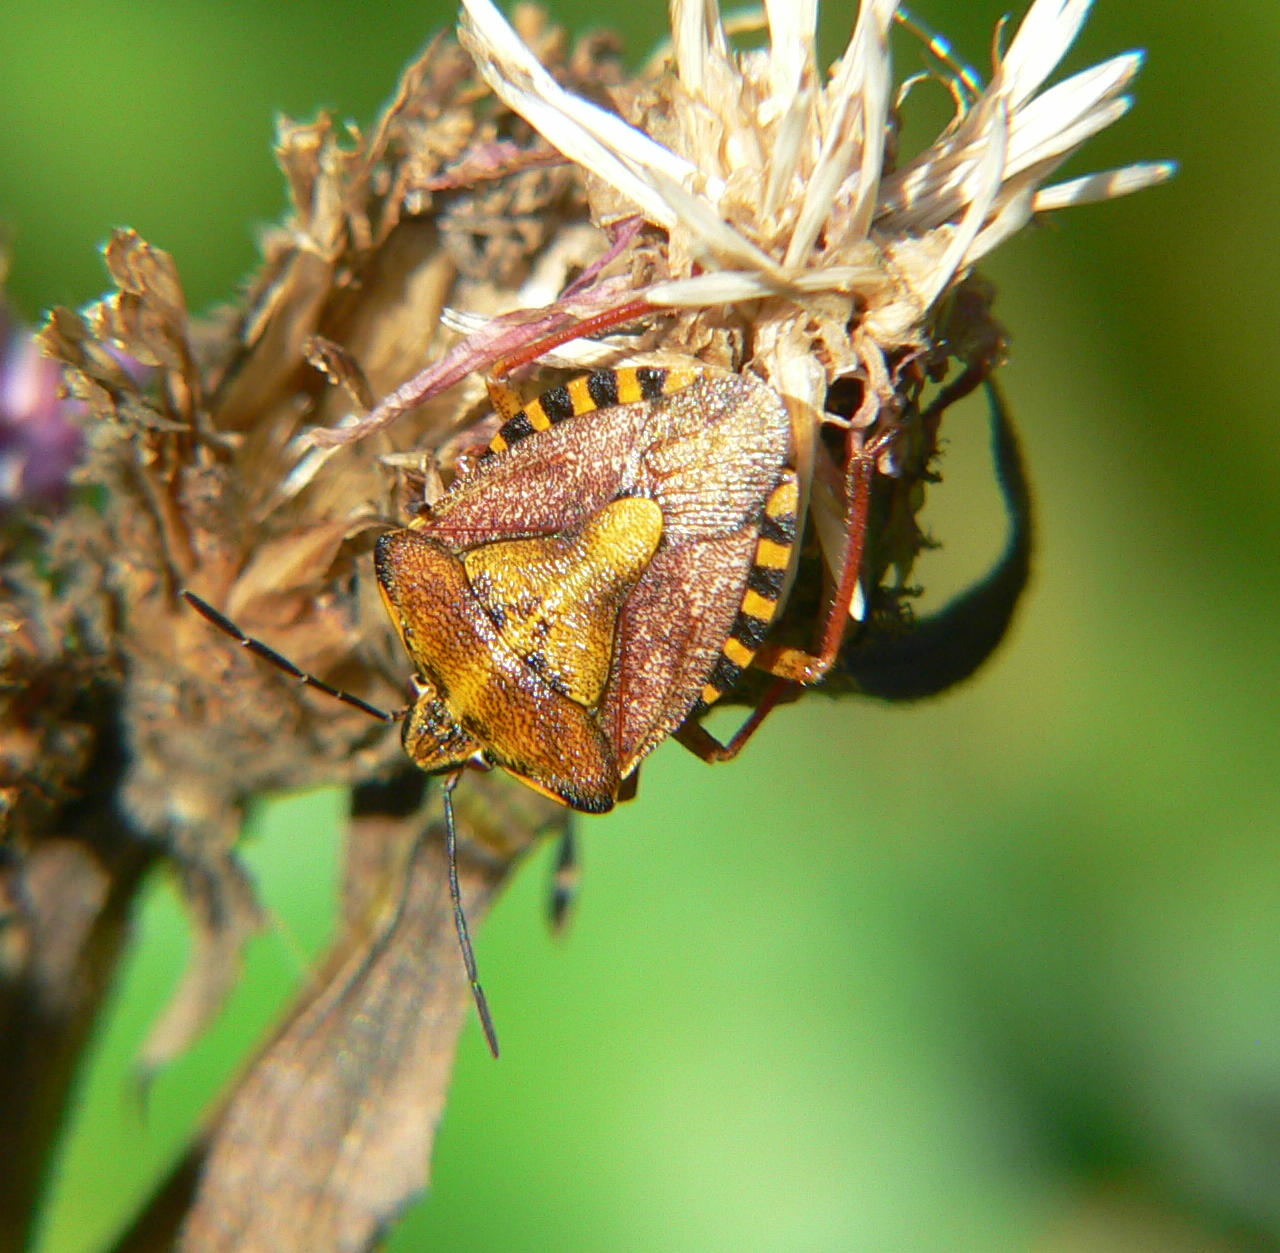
{"points": [[605, 570], [599, 577]]}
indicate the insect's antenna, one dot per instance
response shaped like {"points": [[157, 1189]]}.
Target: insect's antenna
{"points": [[224, 624], [968, 78], [460, 918]]}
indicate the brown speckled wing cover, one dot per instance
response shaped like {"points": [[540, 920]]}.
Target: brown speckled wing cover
{"points": [[709, 455]]}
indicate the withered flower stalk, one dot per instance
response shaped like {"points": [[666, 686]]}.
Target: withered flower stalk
{"points": [[737, 210]]}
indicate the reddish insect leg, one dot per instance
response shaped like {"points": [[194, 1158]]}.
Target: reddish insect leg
{"points": [[795, 664], [701, 743], [595, 325]]}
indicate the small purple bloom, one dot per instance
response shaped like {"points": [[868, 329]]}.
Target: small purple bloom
{"points": [[40, 440]]}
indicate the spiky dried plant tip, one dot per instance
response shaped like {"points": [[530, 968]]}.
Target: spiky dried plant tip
{"points": [[736, 209], [772, 186]]}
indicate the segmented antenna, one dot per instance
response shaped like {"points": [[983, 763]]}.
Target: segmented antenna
{"points": [[281, 662], [460, 917], [940, 47]]}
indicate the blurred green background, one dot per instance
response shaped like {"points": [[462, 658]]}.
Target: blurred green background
{"points": [[1001, 971]]}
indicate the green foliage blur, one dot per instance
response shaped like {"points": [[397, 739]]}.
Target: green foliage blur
{"points": [[996, 972]]}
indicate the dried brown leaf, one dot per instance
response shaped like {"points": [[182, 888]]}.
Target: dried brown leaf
{"points": [[224, 915], [329, 1135]]}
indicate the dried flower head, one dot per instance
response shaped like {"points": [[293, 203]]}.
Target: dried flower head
{"points": [[763, 221], [784, 215], [772, 186]]}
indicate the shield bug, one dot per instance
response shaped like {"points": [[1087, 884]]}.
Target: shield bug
{"points": [[607, 568], [593, 582], [605, 572]]}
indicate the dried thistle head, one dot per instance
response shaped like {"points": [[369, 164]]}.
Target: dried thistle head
{"points": [[786, 237]]}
